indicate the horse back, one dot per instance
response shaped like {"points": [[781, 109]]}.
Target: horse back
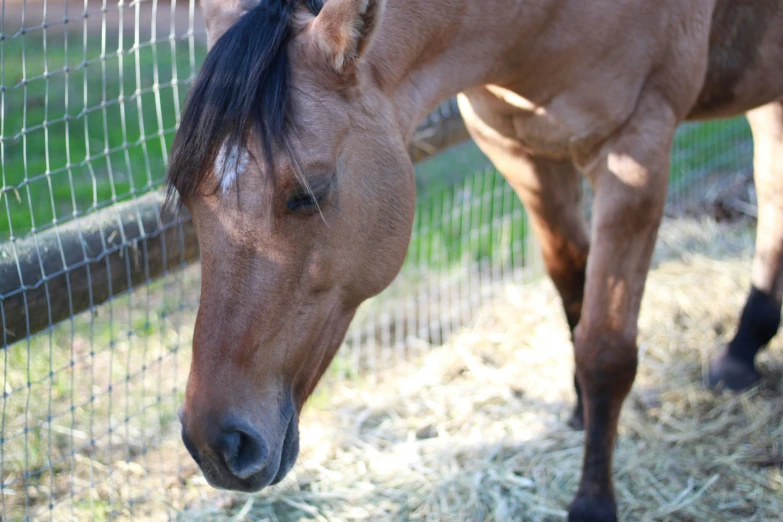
{"points": [[745, 62]]}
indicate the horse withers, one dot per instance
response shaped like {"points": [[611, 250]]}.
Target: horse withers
{"points": [[291, 157]]}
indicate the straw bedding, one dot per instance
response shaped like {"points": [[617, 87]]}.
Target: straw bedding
{"points": [[476, 429]]}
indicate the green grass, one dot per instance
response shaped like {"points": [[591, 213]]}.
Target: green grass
{"points": [[85, 128], [709, 146], [467, 219]]}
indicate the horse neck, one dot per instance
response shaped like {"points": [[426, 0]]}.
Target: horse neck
{"points": [[427, 52]]}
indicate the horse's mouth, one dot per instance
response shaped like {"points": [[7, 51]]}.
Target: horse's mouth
{"points": [[290, 450]]}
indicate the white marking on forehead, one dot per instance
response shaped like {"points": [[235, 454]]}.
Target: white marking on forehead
{"points": [[229, 164]]}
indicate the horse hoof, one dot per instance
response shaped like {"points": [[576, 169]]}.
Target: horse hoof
{"points": [[728, 372], [592, 509]]}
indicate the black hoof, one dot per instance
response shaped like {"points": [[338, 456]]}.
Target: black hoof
{"points": [[728, 372], [592, 509]]}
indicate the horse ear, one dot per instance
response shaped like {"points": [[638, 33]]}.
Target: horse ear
{"points": [[219, 15], [344, 30]]}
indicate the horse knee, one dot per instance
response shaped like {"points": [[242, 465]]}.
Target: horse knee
{"points": [[605, 362]]}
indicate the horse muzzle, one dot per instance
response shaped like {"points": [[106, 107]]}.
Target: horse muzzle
{"points": [[236, 456]]}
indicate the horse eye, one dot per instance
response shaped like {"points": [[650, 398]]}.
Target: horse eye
{"points": [[306, 202]]}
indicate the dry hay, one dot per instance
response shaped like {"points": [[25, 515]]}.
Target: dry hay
{"points": [[476, 429]]}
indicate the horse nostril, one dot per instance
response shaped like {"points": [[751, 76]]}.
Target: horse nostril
{"points": [[245, 454]]}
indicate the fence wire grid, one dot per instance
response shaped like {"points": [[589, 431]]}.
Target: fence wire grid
{"points": [[90, 96]]}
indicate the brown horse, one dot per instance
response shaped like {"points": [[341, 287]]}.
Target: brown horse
{"points": [[292, 160]]}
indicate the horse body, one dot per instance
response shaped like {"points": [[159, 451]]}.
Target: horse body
{"points": [[745, 46], [547, 89]]}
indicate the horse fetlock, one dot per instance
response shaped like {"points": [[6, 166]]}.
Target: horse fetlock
{"points": [[727, 371], [733, 367], [759, 323], [593, 508]]}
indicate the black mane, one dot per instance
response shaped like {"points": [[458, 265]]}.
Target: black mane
{"points": [[243, 86]]}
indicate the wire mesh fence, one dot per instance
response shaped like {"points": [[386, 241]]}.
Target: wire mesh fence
{"points": [[90, 95]]}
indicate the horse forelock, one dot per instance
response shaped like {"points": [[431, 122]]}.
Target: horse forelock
{"points": [[242, 90]]}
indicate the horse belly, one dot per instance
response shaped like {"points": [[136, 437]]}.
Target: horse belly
{"points": [[745, 63]]}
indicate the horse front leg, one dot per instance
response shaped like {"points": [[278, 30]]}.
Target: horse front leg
{"points": [[629, 174], [734, 366]]}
